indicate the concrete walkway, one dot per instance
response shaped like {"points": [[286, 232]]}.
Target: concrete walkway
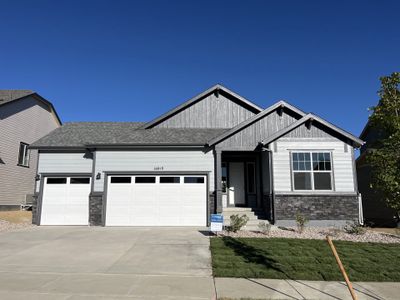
{"points": [[105, 263], [237, 288]]}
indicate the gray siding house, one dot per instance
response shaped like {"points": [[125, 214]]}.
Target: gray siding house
{"points": [[25, 117], [375, 210], [215, 153]]}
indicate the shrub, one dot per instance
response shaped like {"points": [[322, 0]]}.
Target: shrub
{"points": [[265, 227], [237, 222], [301, 222], [354, 228]]}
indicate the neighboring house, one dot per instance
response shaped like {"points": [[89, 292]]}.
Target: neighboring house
{"points": [[375, 210], [215, 153], [25, 117]]}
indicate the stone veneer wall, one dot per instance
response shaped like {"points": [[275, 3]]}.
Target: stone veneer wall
{"points": [[96, 209], [316, 207], [211, 206], [35, 216]]}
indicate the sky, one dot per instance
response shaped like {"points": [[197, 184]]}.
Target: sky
{"points": [[134, 60]]}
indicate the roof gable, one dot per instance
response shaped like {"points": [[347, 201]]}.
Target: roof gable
{"points": [[310, 119], [9, 96], [217, 107], [280, 105]]}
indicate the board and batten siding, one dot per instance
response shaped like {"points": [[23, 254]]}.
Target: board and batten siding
{"points": [[139, 161], [250, 136], [25, 120], [210, 112], [342, 162], [59, 163]]}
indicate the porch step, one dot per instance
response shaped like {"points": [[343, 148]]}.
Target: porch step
{"points": [[255, 216]]}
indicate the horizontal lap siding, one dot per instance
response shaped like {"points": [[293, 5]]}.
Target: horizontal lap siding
{"points": [[24, 120], [63, 163], [342, 162], [136, 161]]}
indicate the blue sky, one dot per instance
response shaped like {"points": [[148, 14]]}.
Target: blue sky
{"points": [[134, 60]]}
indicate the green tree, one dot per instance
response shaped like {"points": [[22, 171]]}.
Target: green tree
{"points": [[384, 157]]}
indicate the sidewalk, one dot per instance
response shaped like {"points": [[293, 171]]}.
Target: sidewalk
{"points": [[237, 288]]}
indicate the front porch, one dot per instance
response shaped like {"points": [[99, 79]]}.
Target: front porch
{"points": [[243, 185]]}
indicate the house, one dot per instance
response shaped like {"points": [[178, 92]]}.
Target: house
{"points": [[215, 153], [25, 116], [375, 210]]}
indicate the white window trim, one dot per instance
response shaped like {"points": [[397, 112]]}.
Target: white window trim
{"points": [[25, 155], [292, 171]]}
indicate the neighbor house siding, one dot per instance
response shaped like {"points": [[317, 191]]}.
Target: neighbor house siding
{"points": [[168, 160], [211, 112], [24, 120], [63, 163], [342, 161], [251, 136]]}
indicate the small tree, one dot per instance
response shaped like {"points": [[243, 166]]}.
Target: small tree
{"points": [[385, 155]]}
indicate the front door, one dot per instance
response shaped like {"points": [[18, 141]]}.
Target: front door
{"points": [[236, 190]]}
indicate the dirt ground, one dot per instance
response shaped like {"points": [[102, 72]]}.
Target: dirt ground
{"points": [[20, 216]]}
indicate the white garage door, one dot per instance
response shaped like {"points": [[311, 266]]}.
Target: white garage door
{"points": [[65, 201], [156, 200]]}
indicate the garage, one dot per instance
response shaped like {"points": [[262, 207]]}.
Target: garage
{"points": [[65, 201], [156, 200]]}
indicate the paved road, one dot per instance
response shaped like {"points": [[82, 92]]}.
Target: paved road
{"points": [[105, 263]]}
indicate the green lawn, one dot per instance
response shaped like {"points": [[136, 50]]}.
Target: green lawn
{"points": [[303, 259]]}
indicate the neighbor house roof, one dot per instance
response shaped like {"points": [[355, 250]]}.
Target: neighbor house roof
{"points": [[11, 95], [313, 118], [103, 134], [8, 96], [197, 98]]}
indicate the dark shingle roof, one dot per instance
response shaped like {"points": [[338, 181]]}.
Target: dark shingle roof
{"points": [[83, 134], [11, 95]]}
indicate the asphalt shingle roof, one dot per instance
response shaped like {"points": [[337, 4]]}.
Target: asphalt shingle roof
{"points": [[11, 95], [81, 134]]}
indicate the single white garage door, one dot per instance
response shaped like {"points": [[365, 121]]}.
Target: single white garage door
{"points": [[156, 200], [65, 201]]}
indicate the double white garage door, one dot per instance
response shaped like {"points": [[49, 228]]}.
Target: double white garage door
{"points": [[156, 200], [132, 200]]}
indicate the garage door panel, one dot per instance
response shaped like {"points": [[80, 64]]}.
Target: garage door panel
{"points": [[158, 200], [66, 203]]}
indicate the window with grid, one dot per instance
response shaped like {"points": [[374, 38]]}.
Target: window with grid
{"points": [[312, 171]]}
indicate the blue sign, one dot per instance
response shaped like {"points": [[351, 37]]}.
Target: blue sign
{"points": [[217, 222], [217, 218]]}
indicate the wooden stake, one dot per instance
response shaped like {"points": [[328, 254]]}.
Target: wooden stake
{"points": [[346, 278]]}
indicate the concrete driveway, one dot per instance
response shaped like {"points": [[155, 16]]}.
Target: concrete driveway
{"points": [[105, 263]]}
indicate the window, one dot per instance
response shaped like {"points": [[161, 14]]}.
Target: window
{"points": [[164, 179], [23, 155], [83, 180], [121, 179], [194, 180], [145, 180], [251, 178], [59, 180], [312, 171], [224, 172]]}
